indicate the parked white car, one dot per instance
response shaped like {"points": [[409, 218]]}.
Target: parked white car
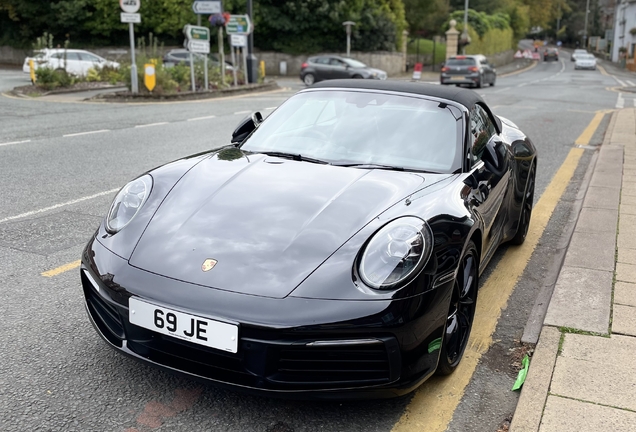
{"points": [[76, 62], [585, 61]]}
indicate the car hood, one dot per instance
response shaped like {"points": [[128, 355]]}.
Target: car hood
{"points": [[267, 222]]}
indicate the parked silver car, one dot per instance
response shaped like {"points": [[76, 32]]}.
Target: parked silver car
{"points": [[76, 62]]}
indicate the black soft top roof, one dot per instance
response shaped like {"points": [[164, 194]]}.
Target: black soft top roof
{"points": [[466, 97]]}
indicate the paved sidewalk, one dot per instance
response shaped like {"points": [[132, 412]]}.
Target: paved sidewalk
{"points": [[582, 375]]}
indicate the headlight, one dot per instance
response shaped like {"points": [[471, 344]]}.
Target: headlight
{"points": [[396, 253], [127, 203]]}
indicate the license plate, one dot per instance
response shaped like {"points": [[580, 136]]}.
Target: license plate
{"points": [[195, 329], [457, 78]]}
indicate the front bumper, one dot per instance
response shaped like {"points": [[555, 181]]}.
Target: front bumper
{"points": [[352, 349]]}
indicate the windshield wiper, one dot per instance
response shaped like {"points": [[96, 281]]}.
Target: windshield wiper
{"points": [[384, 167], [295, 156]]}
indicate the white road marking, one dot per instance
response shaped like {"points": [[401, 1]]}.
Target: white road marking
{"points": [[620, 82], [270, 108], [201, 118], [242, 112], [620, 102], [14, 142], [630, 83], [634, 100], [151, 124], [86, 133], [56, 206]]}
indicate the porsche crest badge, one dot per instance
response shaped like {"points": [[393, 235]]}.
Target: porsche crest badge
{"points": [[208, 264]]}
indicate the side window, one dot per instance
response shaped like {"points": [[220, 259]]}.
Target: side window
{"points": [[89, 57], [322, 60], [481, 129], [71, 56], [335, 62]]}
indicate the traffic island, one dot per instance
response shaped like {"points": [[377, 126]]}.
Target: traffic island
{"points": [[127, 96], [34, 91]]}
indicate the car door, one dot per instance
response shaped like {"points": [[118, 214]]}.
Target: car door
{"points": [[338, 69], [321, 66], [73, 63], [490, 177], [90, 61], [489, 74]]}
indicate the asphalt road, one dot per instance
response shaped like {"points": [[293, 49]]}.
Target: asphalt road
{"points": [[60, 165]]}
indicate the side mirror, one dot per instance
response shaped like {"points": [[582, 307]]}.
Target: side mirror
{"points": [[246, 127]]}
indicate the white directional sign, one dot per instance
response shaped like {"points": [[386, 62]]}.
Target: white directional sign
{"points": [[130, 6], [238, 40], [207, 7], [199, 47], [134, 18]]}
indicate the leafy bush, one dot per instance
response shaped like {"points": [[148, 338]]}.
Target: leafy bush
{"points": [[50, 79]]}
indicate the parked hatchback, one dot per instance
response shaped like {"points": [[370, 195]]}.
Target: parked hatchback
{"points": [[474, 70], [76, 62], [321, 68]]}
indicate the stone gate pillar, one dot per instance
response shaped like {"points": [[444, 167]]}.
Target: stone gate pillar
{"points": [[452, 39]]}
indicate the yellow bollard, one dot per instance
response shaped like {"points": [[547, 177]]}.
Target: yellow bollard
{"points": [[149, 76], [262, 68], [32, 71]]}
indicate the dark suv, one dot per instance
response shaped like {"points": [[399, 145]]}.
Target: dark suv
{"points": [[473, 70], [333, 67]]}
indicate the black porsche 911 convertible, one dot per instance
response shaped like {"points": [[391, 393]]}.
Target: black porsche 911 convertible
{"points": [[332, 250]]}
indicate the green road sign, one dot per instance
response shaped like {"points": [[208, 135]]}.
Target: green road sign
{"points": [[239, 24], [197, 33]]}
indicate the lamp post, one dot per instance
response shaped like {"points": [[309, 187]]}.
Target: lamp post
{"points": [[252, 73], [587, 11], [465, 37], [348, 25]]}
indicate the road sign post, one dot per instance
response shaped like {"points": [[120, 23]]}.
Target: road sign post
{"points": [[198, 41], [130, 15]]}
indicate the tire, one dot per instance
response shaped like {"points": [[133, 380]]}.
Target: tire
{"points": [[309, 79], [357, 77], [526, 212], [461, 312], [492, 84], [479, 83]]}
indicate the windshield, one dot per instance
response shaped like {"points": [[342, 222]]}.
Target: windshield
{"points": [[586, 57], [580, 51], [350, 127], [354, 63]]}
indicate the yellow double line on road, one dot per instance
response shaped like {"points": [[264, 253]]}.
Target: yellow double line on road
{"points": [[435, 402]]}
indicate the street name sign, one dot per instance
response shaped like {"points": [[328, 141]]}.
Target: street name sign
{"points": [[196, 33], [238, 40], [207, 7], [239, 24], [134, 18], [130, 6], [199, 47]]}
